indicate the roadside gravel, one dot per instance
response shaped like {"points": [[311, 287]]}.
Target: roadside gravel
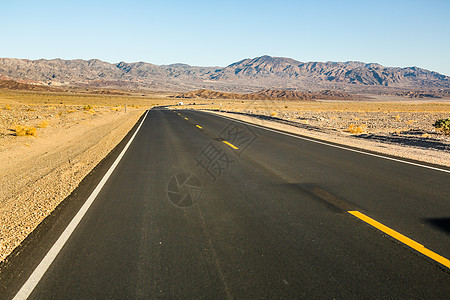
{"points": [[37, 173], [385, 134]]}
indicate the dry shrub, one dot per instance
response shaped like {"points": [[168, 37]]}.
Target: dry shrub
{"points": [[7, 107], [88, 107], [443, 125], [21, 130], [44, 124], [273, 114], [352, 128], [115, 108]]}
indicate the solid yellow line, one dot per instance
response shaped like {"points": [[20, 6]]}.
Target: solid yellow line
{"points": [[400, 237], [231, 145], [199, 126]]}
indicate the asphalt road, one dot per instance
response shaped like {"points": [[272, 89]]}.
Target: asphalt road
{"points": [[203, 207]]}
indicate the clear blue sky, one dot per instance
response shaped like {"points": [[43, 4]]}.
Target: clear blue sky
{"points": [[217, 33]]}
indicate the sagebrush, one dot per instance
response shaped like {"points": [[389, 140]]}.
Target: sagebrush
{"points": [[21, 130], [443, 125], [352, 128]]}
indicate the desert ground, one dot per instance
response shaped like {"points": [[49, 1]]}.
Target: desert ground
{"points": [[49, 141], [390, 125], [64, 136]]}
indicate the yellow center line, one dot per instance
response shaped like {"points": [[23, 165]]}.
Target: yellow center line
{"points": [[231, 145], [199, 126], [400, 237]]}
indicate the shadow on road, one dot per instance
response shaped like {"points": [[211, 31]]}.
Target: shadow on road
{"points": [[442, 224]]}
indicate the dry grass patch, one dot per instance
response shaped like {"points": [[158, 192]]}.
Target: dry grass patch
{"points": [[58, 99], [44, 124], [356, 129], [21, 130]]}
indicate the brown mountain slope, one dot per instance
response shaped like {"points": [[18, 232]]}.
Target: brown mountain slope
{"points": [[14, 85]]}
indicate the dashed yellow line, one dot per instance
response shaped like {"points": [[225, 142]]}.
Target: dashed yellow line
{"points": [[231, 145], [186, 118], [400, 237], [199, 126]]}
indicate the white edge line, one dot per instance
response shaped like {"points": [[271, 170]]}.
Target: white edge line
{"points": [[40, 270], [336, 146]]}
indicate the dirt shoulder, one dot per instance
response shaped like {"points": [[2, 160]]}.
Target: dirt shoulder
{"points": [[389, 136], [40, 171]]}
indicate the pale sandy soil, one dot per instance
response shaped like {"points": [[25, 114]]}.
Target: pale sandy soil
{"points": [[38, 172]]}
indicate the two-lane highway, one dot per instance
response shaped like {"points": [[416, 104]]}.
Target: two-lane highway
{"points": [[200, 206]]}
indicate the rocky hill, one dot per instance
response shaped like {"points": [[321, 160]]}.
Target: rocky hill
{"points": [[14, 85], [248, 75]]}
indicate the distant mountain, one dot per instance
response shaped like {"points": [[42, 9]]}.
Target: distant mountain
{"points": [[247, 75], [336, 72]]}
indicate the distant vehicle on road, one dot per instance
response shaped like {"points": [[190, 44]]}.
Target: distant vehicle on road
{"points": [[180, 103]]}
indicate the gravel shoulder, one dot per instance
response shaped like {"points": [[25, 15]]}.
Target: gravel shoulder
{"points": [[38, 172]]}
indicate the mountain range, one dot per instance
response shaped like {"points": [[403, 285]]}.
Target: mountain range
{"points": [[247, 75]]}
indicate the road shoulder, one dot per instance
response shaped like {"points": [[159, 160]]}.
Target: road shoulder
{"points": [[431, 156]]}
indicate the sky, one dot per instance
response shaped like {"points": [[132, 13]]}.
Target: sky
{"points": [[394, 33]]}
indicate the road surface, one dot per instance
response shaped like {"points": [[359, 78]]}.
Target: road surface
{"points": [[200, 206]]}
